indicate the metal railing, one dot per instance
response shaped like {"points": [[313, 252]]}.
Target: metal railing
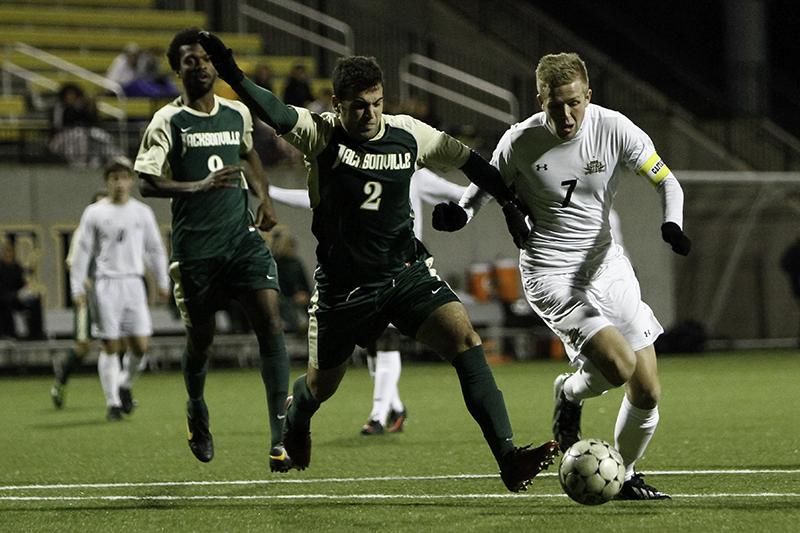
{"points": [[117, 112], [344, 47], [408, 79]]}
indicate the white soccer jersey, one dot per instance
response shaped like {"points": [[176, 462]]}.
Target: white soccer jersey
{"points": [[122, 239], [569, 186]]}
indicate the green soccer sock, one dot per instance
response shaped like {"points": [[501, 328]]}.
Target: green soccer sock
{"points": [[303, 407], [275, 375], [194, 375], [70, 363], [484, 400]]}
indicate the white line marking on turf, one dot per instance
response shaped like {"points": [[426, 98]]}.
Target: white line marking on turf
{"points": [[367, 497], [357, 479]]}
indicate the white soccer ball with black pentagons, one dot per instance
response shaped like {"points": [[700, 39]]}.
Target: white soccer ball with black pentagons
{"points": [[591, 472]]}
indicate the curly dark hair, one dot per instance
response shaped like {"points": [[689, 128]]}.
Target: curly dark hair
{"points": [[183, 37], [355, 74]]}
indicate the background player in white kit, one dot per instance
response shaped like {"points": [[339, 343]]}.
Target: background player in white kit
{"points": [[385, 365], [121, 235], [565, 164]]}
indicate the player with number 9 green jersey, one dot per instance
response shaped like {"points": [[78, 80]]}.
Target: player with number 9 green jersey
{"points": [[190, 144]]}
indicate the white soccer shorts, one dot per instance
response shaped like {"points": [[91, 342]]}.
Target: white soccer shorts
{"points": [[122, 309], [577, 307]]}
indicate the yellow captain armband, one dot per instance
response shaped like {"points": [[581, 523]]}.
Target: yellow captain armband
{"points": [[654, 169]]}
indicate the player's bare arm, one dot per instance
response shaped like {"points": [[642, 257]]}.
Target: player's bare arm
{"points": [[258, 181], [160, 187]]}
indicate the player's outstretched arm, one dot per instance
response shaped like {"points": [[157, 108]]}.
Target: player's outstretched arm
{"points": [[261, 102], [488, 178]]}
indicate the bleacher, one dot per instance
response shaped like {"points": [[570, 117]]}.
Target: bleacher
{"points": [[89, 34]]}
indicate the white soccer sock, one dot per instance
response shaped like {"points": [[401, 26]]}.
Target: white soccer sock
{"points": [[587, 382], [109, 369], [130, 370], [633, 431], [387, 374]]}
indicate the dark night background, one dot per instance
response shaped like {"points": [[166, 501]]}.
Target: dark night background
{"points": [[680, 47]]}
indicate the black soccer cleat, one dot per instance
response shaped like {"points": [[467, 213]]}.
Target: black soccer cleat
{"points": [[521, 465], [372, 427], [397, 421], [126, 398], [114, 413], [279, 460], [200, 441], [566, 416], [57, 395], [296, 442], [636, 489]]}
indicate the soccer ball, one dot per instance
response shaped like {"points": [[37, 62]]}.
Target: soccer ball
{"points": [[591, 472]]}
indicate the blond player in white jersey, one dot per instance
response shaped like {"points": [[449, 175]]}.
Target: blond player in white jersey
{"points": [[120, 234], [565, 164], [385, 365]]}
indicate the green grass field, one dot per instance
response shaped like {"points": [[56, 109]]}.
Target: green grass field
{"points": [[727, 449]]}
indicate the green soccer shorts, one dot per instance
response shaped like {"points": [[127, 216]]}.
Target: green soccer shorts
{"points": [[340, 320], [203, 285]]}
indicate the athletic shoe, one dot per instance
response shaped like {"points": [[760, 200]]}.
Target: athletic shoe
{"points": [[114, 413], [126, 397], [297, 443], [519, 466], [397, 421], [566, 416], [372, 427], [57, 394], [636, 489], [200, 440], [279, 460]]}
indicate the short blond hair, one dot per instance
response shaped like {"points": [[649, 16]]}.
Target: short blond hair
{"points": [[555, 70]]}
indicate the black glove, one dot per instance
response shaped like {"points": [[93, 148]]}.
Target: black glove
{"points": [[672, 234], [517, 224], [221, 57], [449, 217]]}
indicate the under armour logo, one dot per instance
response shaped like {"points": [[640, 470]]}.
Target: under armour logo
{"points": [[541, 167]]}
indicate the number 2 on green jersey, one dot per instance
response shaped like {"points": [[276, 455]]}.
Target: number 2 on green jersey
{"points": [[373, 190]]}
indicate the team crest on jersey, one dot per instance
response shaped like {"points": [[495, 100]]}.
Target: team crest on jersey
{"points": [[593, 167]]}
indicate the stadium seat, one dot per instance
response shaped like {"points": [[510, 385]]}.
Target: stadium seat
{"points": [[102, 19], [95, 3], [95, 39]]}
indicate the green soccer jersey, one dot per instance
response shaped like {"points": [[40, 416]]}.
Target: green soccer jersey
{"points": [[188, 145], [360, 192]]}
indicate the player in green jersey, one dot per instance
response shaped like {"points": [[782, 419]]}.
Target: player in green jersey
{"points": [[191, 152], [372, 270]]}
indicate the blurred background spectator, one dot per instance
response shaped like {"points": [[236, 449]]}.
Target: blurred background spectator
{"points": [[138, 72], [262, 76], [298, 88], [16, 297], [76, 135]]}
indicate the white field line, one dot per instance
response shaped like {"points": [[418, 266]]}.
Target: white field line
{"points": [[350, 497], [281, 481]]}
